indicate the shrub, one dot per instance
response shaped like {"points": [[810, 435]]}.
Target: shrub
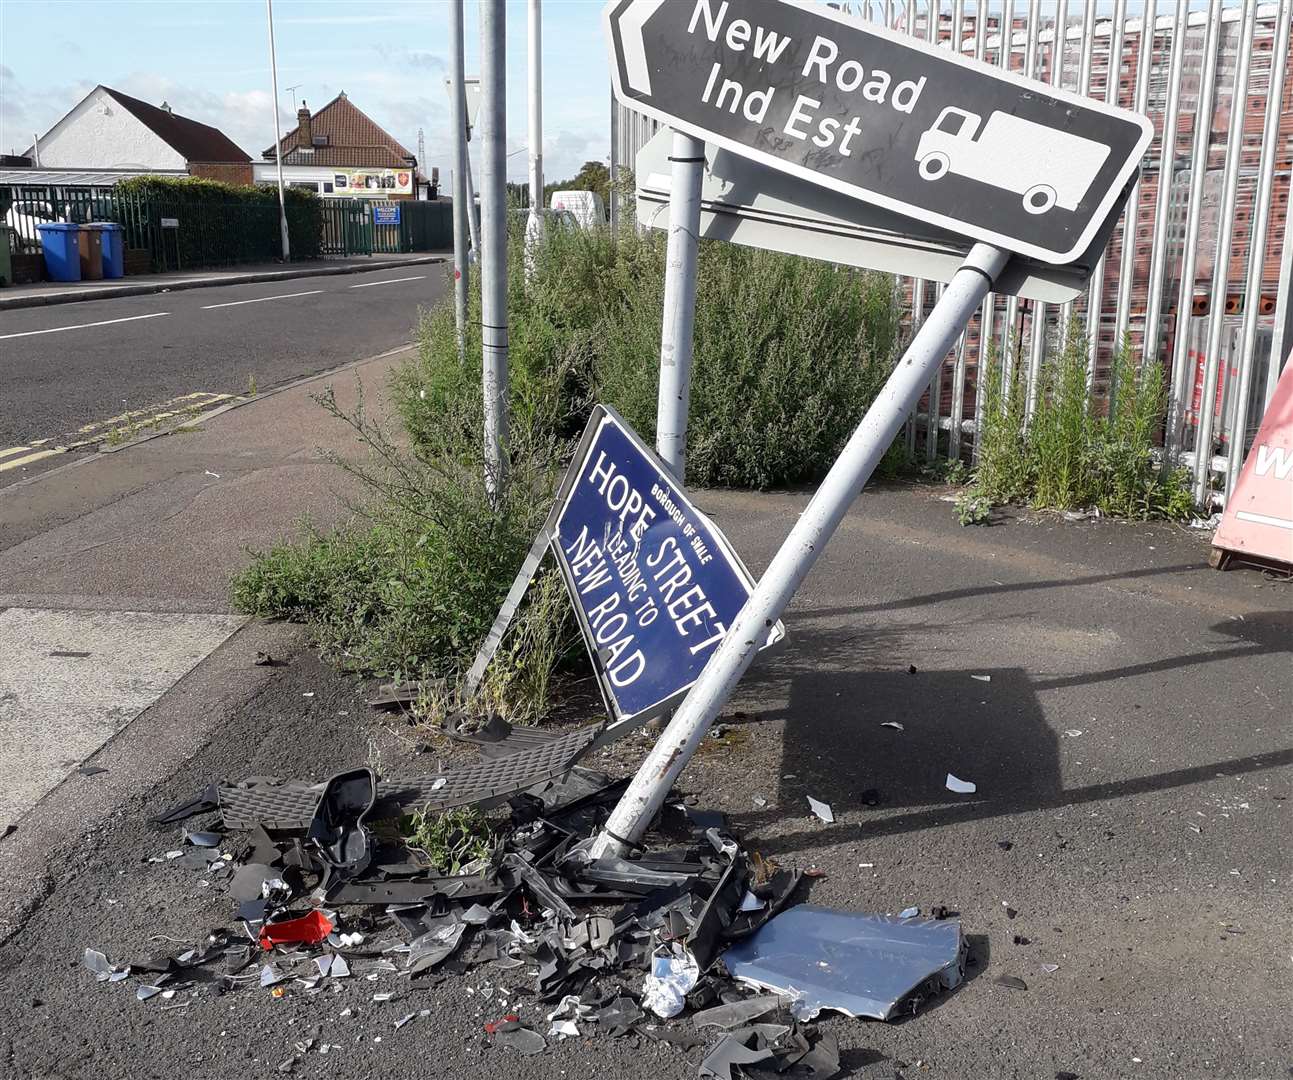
{"points": [[1069, 455], [789, 353], [410, 589]]}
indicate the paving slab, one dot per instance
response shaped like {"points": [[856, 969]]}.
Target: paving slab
{"points": [[70, 680]]}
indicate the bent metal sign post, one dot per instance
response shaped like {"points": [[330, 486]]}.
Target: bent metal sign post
{"points": [[880, 116]]}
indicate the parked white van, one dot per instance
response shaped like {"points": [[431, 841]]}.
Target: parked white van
{"points": [[586, 207]]}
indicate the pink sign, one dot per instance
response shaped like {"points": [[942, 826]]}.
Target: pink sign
{"points": [[1258, 520]]}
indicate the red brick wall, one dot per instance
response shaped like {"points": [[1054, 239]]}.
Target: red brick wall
{"points": [[229, 172]]}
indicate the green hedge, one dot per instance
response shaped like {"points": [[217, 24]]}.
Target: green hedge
{"points": [[219, 223]]}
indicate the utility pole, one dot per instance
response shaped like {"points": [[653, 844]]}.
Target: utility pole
{"points": [[493, 238], [278, 133], [534, 223], [459, 192]]}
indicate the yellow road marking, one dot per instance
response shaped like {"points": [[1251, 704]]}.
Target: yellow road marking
{"points": [[16, 462], [129, 422]]}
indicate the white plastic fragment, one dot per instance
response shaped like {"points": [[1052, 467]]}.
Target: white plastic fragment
{"points": [[1072, 733], [1049, 968], [909, 913], [383, 997], [439, 783], [750, 902], [404, 1020], [893, 724], [564, 1029], [821, 810], [961, 787], [982, 678]]}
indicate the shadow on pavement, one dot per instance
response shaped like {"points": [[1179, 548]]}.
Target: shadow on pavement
{"points": [[994, 734]]}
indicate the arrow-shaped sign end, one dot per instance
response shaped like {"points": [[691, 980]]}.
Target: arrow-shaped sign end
{"points": [[631, 21]]}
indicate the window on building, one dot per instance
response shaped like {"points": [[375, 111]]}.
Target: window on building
{"points": [[327, 187], [308, 185]]}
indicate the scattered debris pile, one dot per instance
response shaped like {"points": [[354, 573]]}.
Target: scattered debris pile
{"points": [[611, 947]]}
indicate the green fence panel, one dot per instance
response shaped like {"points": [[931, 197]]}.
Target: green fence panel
{"points": [[427, 226]]}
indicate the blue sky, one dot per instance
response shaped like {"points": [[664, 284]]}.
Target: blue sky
{"points": [[210, 60]]}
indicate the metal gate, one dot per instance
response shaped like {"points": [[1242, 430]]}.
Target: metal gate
{"points": [[1199, 273]]}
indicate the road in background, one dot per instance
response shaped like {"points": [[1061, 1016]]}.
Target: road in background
{"points": [[69, 366]]}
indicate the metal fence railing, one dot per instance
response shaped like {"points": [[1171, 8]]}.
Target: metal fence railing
{"points": [[350, 227], [1198, 275], [182, 233]]}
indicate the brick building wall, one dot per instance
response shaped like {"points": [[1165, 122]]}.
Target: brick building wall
{"points": [[228, 172]]}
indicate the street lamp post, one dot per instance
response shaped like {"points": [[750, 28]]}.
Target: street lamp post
{"points": [[534, 223], [278, 134]]}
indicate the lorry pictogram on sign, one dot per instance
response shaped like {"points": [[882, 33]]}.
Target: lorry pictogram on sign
{"points": [[880, 116], [1046, 166]]}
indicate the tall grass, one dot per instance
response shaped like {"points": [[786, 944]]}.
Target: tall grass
{"points": [[1070, 455]]}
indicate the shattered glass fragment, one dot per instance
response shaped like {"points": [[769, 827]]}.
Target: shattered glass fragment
{"points": [[520, 1039], [270, 975], [404, 1020], [1013, 982], [909, 913], [97, 963], [143, 993], [821, 810], [204, 839], [435, 946]]}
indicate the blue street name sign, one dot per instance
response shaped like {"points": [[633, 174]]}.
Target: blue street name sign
{"points": [[653, 581]]}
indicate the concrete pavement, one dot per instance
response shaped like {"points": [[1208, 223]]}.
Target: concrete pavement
{"points": [[101, 372]]}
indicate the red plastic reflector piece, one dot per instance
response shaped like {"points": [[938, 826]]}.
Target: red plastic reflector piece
{"points": [[307, 930]]}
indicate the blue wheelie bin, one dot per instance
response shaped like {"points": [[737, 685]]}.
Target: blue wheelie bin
{"points": [[59, 242], [114, 250]]}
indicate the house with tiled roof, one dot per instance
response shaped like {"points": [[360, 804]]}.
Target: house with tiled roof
{"points": [[341, 152], [109, 130]]}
